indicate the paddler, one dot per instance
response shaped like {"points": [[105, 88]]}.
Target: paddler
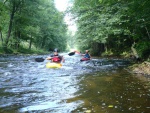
{"points": [[55, 57], [87, 56]]}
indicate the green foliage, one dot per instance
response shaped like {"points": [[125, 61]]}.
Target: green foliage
{"points": [[107, 53], [27, 51], [116, 24], [35, 21], [143, 48]]}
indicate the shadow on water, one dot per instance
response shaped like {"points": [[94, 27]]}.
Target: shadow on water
{"points": [[118, 92], [96, 86]]}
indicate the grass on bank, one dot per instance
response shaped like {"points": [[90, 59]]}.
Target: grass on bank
{"points": [[22, 50]]}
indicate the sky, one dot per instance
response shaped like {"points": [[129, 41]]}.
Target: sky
{"points": [[62, 5]]}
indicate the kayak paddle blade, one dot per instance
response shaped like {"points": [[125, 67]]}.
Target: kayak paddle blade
{"points": [[39, 59], [72, 53]]}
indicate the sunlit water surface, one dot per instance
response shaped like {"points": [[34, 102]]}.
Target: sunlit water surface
{"points": [[96, 86]]}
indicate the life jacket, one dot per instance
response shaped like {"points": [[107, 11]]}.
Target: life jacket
{"points": [[86, 55], [56, 59]]}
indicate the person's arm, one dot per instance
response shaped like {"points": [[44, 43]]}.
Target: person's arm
{"points": [[49, 58], [62, 59], [82, 54]]}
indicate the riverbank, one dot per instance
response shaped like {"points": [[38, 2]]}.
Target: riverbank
{"points": [[142, 68], [142, 72], [21, 50]]}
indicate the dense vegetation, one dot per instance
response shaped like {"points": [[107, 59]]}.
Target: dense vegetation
{"points": [[104, 26], [28, 24], [113, 26]]}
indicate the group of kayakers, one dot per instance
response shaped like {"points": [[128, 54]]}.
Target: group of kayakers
{"points": [[55, 57]]}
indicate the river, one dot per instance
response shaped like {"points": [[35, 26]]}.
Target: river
{"points": [[96, 86]]}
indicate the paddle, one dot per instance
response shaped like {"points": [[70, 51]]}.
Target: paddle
{"points": [[71, 53], [39, 59], [42, 59]]}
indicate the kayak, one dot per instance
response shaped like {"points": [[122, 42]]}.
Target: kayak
{"points": [[53, 65], [85, 59]]}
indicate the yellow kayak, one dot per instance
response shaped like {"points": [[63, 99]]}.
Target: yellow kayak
{"points": [[53, 65]]}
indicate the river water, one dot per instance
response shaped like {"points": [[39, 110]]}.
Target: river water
{"points": [[96, 86]]}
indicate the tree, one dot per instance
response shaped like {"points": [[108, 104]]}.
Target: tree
{"points": [[34, 21], [111, 25]]}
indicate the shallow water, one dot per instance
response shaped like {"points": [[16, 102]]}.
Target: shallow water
{"points": [[96, 86]]}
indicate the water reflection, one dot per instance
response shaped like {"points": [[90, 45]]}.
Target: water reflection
{"points": [[118, 93]]}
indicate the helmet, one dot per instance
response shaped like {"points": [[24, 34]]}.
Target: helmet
{"points": [[55, 50]]}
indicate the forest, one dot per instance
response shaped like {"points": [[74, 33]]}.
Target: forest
{"points": [[105, 27], [31, 24], [113, 27]]}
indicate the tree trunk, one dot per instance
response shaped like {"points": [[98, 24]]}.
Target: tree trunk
{"points": [[1, 37], [10, 25], [105, 47], [18, 40], [43, 42], [134, 51], [18, 33], [30, 44], [147, 32], [97, 48]]}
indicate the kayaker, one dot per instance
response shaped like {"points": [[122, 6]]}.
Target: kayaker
{"points": [[87, 56], [55, 57]]}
